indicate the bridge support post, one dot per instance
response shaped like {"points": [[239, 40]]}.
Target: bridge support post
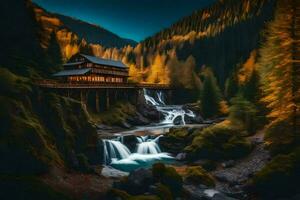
{"points": [[107, 99], [83, 97], [97, 106], [169, 96]]}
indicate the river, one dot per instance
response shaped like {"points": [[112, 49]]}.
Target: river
{"points": [[143, 149]]}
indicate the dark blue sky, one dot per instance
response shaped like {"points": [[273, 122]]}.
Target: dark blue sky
{"points": [[134, 19]]}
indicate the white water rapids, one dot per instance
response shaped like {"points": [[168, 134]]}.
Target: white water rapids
{"points": [[147, 150], [119, 156], [170, 112]]}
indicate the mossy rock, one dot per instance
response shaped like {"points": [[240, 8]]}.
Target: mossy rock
{"points": [[197, 175], [177, 133], [280, 177], [209, 165], [163, 192], [221, 141], [168, 177], [175, 140]]}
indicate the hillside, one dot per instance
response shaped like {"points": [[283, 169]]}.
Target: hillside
{"points": [[94, 33], [31, 141], [72, 34], [220, 36]]}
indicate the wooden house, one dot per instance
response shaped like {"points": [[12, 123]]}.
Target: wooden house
{"points": [[83, 68]]}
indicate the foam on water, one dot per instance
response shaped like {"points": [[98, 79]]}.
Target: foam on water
{"points": [[170, 112]]}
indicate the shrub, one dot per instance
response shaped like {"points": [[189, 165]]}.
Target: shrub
{"points": [[197, 175], [221, 141], [243, 112], [281, 176], [280, 137], [167, 176]]}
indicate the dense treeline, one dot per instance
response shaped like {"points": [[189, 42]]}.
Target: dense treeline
{"points": [[219, 37], [279, 70]]}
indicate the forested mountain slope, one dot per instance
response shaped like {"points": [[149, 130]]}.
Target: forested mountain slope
{"points": [[31, 142], [94, 33], [220, 36]]}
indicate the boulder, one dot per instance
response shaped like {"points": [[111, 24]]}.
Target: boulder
{"points": [[178, 120], [180, 156], [228, 164], [139, 180], [130, 141], [221, 196], [149, 112], [112, 172], [138, 120]]}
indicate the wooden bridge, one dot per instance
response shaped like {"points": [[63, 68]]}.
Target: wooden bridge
{"points": [[99, 85], [100, 95]]}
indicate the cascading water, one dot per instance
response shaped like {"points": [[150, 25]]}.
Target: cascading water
{"points": [[170, 112], [148, 146], [147, 152], [114, 150]]}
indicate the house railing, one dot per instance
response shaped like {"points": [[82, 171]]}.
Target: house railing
{"points": [[46, 83]]}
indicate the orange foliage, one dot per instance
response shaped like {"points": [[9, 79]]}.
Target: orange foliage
{"points": [[246, 71]]}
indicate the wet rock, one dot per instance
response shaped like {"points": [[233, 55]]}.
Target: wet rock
{"points": [[221, 196], [193, 120], [130, 141], [138, 120], [171, 144], [201, 192], [112, 172], [125, 125], [139, 180], [228, 164], [178, 120], [195, 193], [149, 112], [181, 156]]}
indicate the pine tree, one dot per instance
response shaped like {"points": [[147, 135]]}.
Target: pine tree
{"points": [[279, 67], [210, 95], [54, 52], [250, 90], [231, 86]]}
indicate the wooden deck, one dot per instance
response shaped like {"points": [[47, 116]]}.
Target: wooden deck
{"points": [[102, 85]]}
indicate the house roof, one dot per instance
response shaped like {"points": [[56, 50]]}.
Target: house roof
{"points": [[101, 61], [73, 63], [72, 72]]}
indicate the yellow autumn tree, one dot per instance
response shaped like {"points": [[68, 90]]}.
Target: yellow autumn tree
{"points": [[158, 72], [279, 68]]}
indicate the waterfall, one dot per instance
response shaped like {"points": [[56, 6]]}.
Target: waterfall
{"points": [[114, 149], [148, 146], [147, 152], [170, 112]]}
